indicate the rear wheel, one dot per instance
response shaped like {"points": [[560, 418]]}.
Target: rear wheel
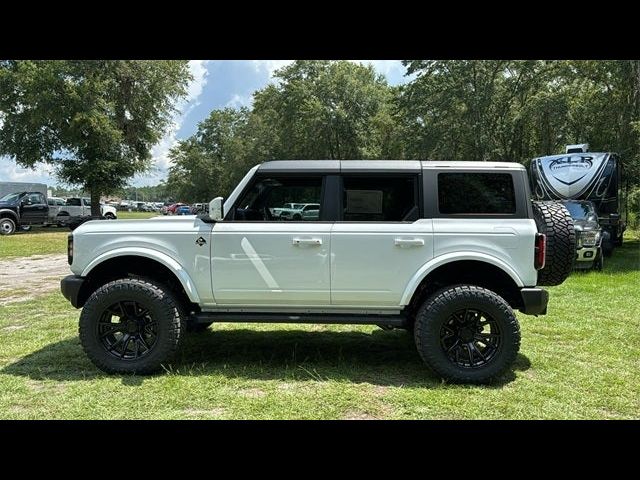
{"points": [[131, 325], [109, 216], [467, 334], [7, 226], [25, 228]]}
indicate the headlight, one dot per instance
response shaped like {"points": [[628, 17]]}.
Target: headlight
{"points": [[589, 238]]}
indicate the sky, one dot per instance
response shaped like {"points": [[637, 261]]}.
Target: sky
{"points": [[215, 84]]}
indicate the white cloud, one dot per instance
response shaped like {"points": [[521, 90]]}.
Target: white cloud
{"points": [[11, 172], [238, 101], [269, 66]]}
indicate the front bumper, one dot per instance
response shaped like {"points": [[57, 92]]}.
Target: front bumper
{"points": [[534, 301], [586, 255], [71, 287]]}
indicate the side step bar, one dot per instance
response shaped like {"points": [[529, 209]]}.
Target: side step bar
{"points": [[324, 318]]}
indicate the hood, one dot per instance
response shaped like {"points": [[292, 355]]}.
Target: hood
{"points": [[582, 225], [182, 223]]}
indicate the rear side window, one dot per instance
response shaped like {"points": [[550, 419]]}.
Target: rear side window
{"points": [[476, 193], [380, 199]]}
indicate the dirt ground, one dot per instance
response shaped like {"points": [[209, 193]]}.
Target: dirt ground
{"points": [[24, 278]]}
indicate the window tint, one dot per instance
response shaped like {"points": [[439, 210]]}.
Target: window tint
{"points": [[476, 193], [73, 202], [281, 199], [380, 199], [35, 198]]}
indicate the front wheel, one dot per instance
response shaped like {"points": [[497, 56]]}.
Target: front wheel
{"points": [[109, 216], [131, 325], [7, 226], [467, 334]]}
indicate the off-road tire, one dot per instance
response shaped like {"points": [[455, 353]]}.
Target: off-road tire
{"points": [[553, 219], [438, 309], [7, 226], [164, 308]]}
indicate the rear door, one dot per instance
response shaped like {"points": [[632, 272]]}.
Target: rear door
{"points": [[261, 258], [381, 239]]}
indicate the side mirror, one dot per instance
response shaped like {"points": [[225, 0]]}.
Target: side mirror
{"points": [[216, 207]]}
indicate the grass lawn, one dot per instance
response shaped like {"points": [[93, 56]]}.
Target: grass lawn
{"points": [[47, 240], [581, 361]]}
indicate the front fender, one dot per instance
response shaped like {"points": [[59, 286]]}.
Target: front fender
{"points": [[11, 213], [440, 260], [163, 258]]}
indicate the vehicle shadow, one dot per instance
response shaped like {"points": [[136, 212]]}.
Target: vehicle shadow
{"points": [[386, 358]]}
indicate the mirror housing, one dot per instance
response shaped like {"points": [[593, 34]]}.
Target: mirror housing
{"points": [[216, 209]]}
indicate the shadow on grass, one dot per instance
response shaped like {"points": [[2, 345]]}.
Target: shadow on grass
{"points": [[380, 358]]}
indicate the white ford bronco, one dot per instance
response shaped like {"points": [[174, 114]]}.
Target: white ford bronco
{"points": [[445, 250]]}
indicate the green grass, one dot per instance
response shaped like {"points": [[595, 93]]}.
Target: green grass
{"points": [[136, 215], [581, 361], [48, 240], [38, 241]]}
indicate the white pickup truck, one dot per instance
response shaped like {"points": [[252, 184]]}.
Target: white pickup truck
{"points": [[63, 211], [445, 250]]}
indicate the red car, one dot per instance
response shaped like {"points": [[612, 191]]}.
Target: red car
{"points": [[171, 209]]}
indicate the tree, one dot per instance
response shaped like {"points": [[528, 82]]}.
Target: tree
{"points": [[95, 121], [323, 110], [212, 161]]}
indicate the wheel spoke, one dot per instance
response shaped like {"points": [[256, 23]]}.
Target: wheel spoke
{"points": [[143, 343], [110, 329], [455, 344], [113, 345], [477, 350], [470, 352], [126, 345]]}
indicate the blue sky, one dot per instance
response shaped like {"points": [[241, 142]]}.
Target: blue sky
{"points": [[216, 84]]}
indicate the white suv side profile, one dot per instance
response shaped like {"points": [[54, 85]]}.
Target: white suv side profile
{"points": [[445, 250]]}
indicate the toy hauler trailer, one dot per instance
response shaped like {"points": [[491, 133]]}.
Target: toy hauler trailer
{"points": [[582, 175]]}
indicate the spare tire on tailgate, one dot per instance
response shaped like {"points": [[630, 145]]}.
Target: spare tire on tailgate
{"points": [[553, 219]]}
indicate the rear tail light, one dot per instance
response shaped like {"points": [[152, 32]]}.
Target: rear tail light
{"points": [[70, 248], [540, 251]]}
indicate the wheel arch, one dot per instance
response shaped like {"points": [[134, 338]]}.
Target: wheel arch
{"points": [[139, 262], [6, 213], [457, 268]]}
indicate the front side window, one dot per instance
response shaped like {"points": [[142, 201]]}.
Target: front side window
{"points": [[281, 199], [380, 199], [474, 193], [34, 198]]}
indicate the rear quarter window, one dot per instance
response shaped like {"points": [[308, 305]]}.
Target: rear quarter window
{"points": [[475, 193]]}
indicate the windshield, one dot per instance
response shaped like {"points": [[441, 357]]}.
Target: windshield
{"points": [[580, 211], [11, 197]]}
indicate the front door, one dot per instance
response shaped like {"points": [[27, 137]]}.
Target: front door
{"points": [[34, 209], [261, 258]]}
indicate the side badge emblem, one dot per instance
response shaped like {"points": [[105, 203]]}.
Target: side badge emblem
{"points": [[201, 241]]}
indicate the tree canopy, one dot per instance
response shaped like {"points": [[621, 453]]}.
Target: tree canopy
{"points": [[94, 121]]}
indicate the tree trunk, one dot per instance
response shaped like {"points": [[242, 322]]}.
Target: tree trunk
{"points": [[95, 203]]}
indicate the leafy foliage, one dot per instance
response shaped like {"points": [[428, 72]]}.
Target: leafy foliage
{"points": [[94, 121]]}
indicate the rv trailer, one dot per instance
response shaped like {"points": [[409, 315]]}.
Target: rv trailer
{"points": [[579, 174]]}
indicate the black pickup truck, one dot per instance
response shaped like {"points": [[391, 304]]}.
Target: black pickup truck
{"points": [[21, 210]]}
